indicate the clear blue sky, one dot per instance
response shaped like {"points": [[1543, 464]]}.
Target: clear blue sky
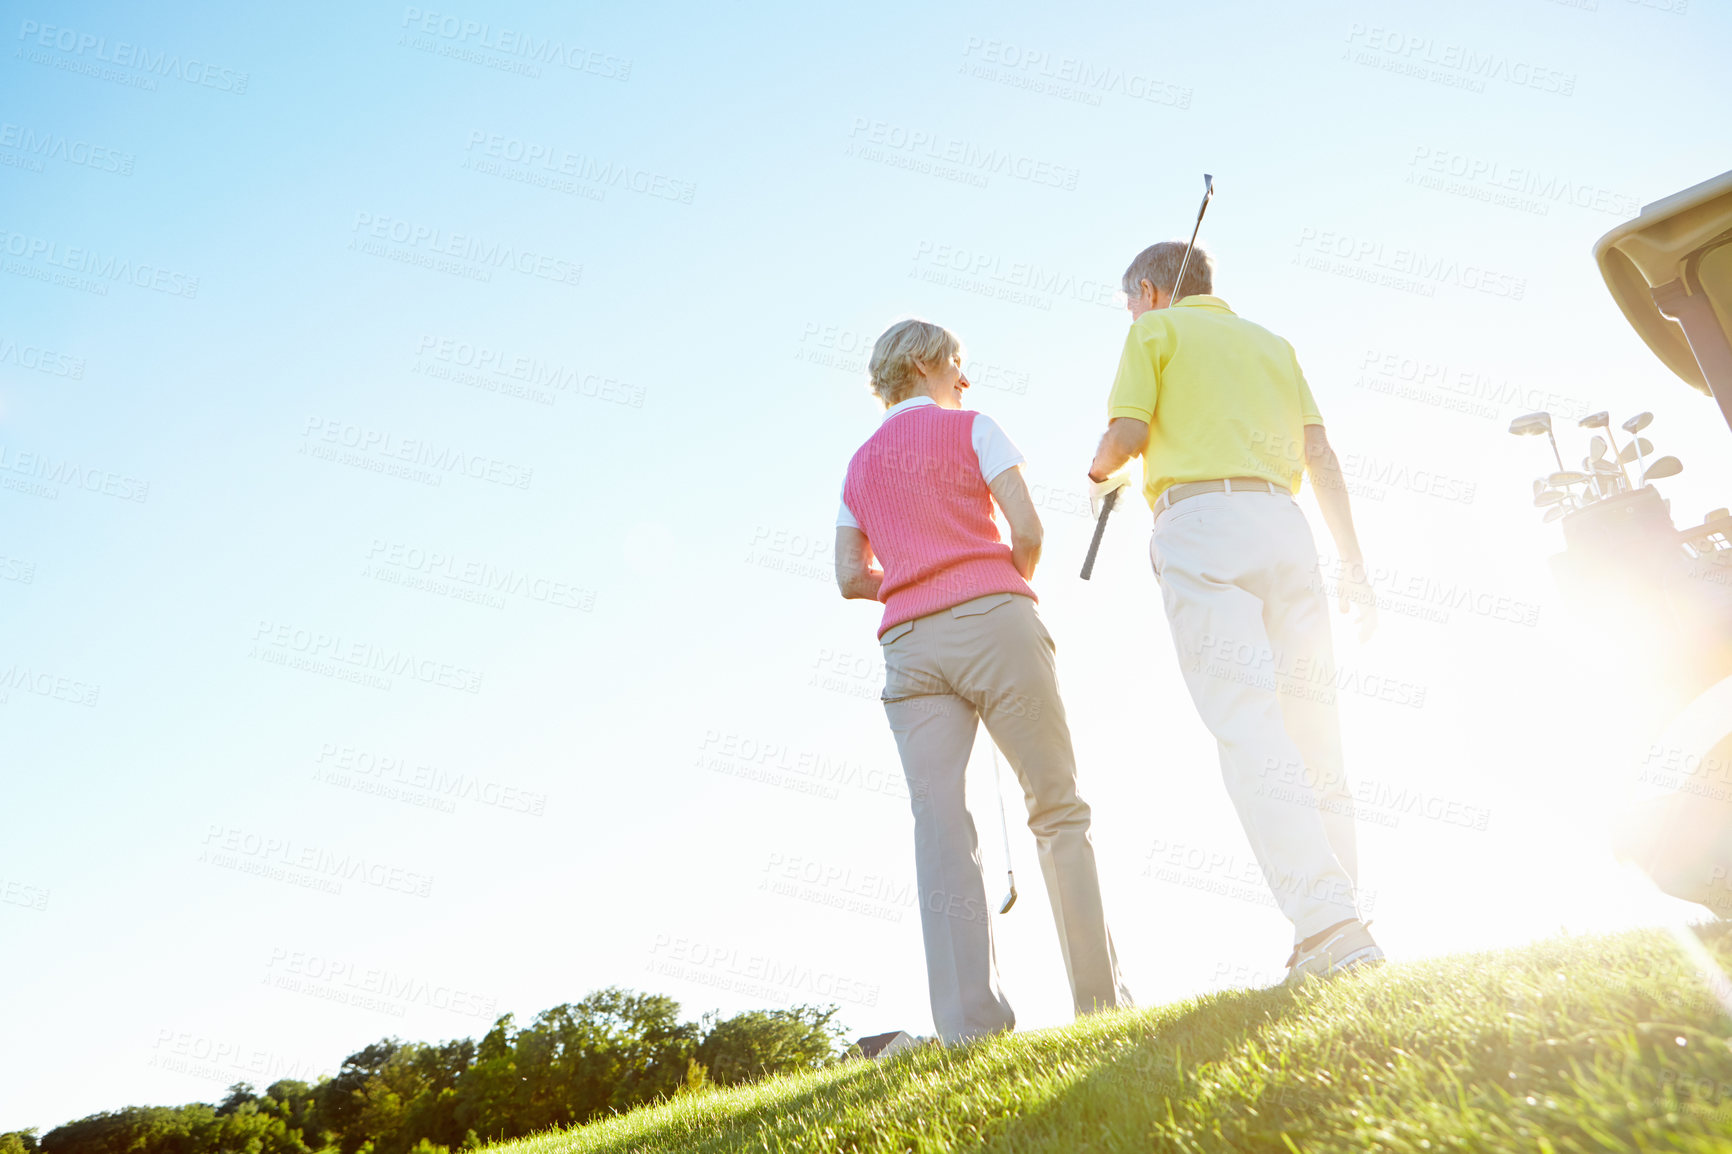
{"points": [[426, 614]]}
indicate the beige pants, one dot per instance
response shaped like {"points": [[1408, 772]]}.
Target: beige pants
{"points": [[991, 659], [1238, 574]]}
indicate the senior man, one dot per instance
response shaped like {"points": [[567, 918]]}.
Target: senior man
{"points": [[1226, 424]]}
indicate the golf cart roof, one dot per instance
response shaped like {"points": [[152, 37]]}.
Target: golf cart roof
{"points": [[1670, 270]]}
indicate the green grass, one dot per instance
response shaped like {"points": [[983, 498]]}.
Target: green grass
{"points": [[1573, 1044]]}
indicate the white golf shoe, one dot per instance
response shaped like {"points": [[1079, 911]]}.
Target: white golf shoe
{"points": [[1336, 950]]}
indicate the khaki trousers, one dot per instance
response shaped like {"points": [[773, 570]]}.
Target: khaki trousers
{"points": [[1238, 575], [991, 659]]}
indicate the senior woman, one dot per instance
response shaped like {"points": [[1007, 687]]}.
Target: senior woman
{"points": [[963, 643]]}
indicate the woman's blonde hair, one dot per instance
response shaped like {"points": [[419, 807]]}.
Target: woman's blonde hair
{"points": [[892, 366]]}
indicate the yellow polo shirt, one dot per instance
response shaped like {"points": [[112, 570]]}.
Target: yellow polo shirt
{"points": [[1222, 397]]}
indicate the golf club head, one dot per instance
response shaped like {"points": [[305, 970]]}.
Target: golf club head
{"points": [[1638, 422], [1539, 485], [1555, 512], [1531, 424], [1010, 898], [1599, 466], [1567, 477], [1599, 420], [1640, 447], [1549, 497], [1597, 448], [1663, 468]]}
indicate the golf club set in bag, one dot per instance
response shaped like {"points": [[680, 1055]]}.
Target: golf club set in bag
{"points": [[1666, 596], [1620, 541], [1600, 477], [1662, 595]]}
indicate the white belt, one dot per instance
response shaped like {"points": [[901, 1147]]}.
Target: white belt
{"points": [[1175, 493]]}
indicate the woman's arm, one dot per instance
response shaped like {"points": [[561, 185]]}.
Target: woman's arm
{"points": [[855, 575], [1011, 492]]}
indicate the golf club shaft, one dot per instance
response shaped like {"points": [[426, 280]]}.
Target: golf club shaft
{"points": [[1003, 823], [1100, 528], [1185, 261], [1617, 454]]}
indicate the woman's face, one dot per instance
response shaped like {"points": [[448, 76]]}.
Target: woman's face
{"points": [[945, 381]]}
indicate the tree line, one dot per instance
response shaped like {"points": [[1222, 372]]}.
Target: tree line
{"points": [[612, 1051]]}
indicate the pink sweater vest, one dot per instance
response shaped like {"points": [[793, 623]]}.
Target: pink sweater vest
{"points": [[916, 489]]}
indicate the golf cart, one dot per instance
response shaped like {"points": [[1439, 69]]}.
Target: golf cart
{"points": [[1670, 271]]}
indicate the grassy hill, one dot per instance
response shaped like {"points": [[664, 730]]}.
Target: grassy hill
{"points": [[1573, 1044]]}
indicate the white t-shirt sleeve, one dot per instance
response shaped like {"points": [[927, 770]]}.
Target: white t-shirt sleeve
{"points": [[845, 516], [993, 448]]}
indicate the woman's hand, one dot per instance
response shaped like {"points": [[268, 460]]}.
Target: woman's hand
{"points": [[855, 575]]}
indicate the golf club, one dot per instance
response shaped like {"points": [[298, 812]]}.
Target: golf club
{"points": [[1100, 528], [1550, 497], [998, 779], [1603, 420], [1634, 427], [1604, 473], [1638, 448], [1555, 513], [1664, 467], [1112, 497], [1185, 261], [1532, 425], [1596, 455]]}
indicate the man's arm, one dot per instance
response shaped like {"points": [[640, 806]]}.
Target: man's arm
{"points": [[1125, 438], [1331, 486], [855, 575], [1011, 492]]}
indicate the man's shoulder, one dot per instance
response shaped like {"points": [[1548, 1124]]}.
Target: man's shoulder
{"points": [[1250, 328], [1153, 325]]}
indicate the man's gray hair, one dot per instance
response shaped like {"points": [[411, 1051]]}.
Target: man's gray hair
{"points": [[1159, 265]]}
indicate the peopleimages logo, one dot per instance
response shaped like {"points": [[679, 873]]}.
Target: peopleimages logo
{"points": [[372, 232], [870, 137], [86, 46], [412, 451], [1517, 186], [91, 263], [231, 847], [40, 359], [514, 42], [557, 161], [279, 643], [23, 679], [1019, 282], [47, 145], [1459, 64], [63, 471], [1067, 77], [1372, 257]]}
